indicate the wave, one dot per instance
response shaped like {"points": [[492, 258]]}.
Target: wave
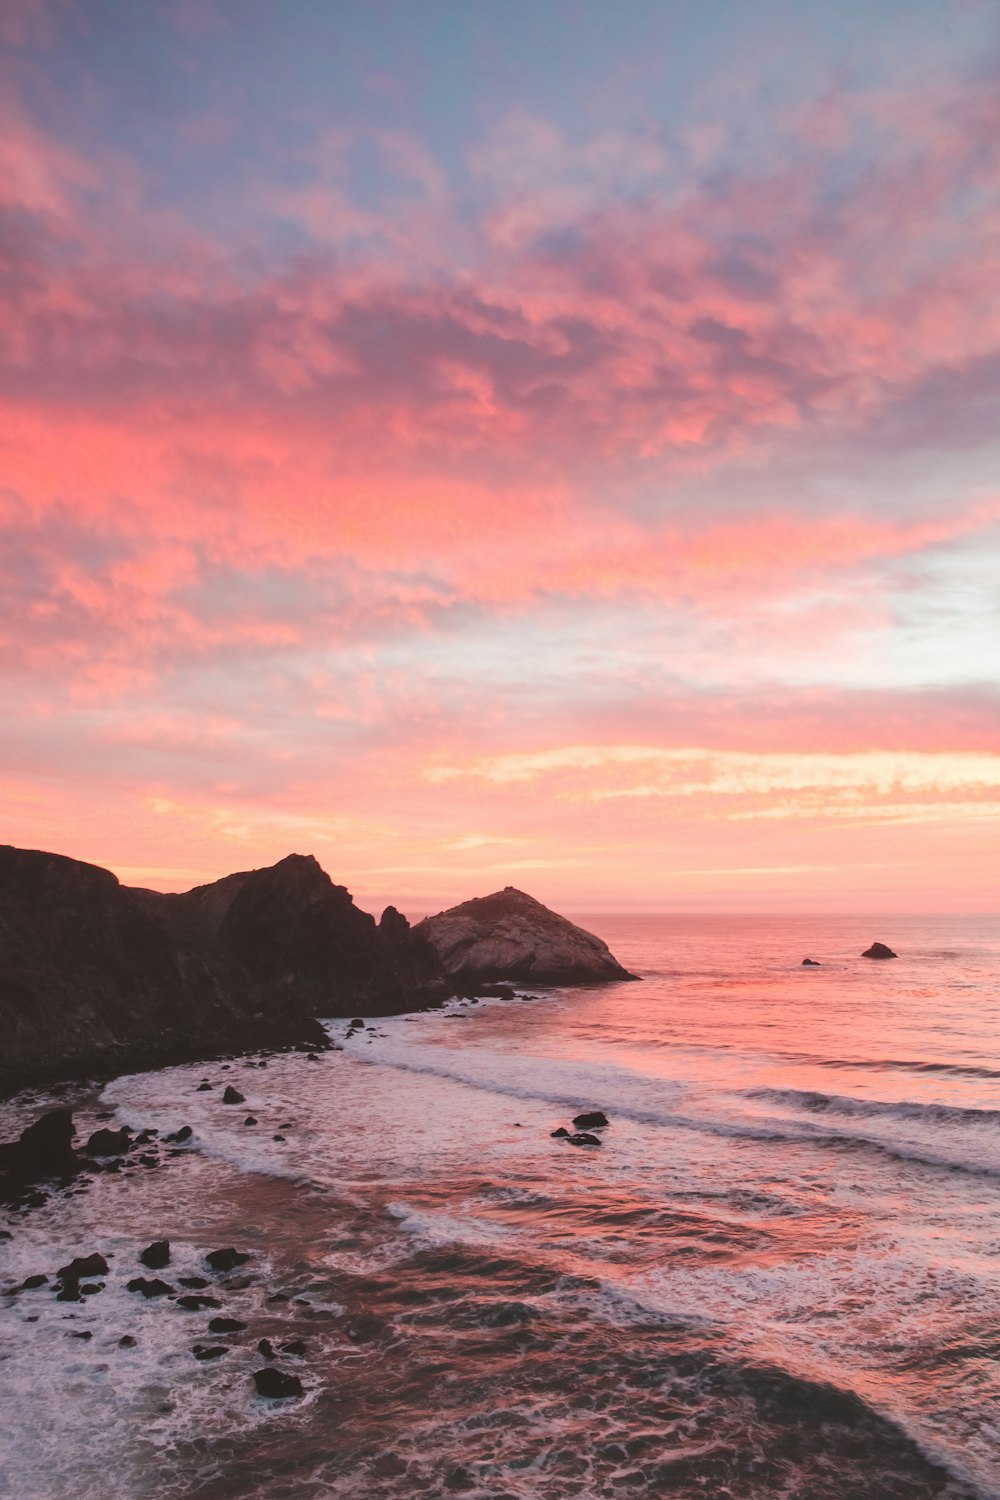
{"points": [[904, 1109], [599, 1087]]}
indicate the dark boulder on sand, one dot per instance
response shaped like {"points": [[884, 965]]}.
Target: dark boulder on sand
{"points": [[879, 950], [510, 935]]}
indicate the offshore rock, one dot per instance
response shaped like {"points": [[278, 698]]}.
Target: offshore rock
{"points": [[510, 935], [879, 950], [275, 1383]]}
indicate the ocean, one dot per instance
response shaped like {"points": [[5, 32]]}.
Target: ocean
{"points": [[778, 1275]]}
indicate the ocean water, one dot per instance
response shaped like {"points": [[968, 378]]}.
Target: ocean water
{"points": [[779, 1274]]}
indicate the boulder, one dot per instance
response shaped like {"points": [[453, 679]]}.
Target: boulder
{"points": [[561, 1134], [593, 1120], [227, 1259], [195, 1301], [275, 1383], [83, 1265], [156, 1255], [109, 1142], [233, 1096], [879, 950], [225, 1325], [810, 963], [153, 1288], [213, 1351], [584, 1138], [509, 935], [44, 1149]]}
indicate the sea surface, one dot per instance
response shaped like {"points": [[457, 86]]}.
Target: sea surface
{"points": [[778, 1275]]}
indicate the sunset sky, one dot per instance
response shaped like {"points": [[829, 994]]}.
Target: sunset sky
{"points": [[484, 442]]}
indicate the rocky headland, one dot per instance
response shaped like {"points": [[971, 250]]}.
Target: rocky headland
{"points": [[100, 978], [509, 935]]}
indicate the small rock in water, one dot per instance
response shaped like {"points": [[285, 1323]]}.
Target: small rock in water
{"points": [[227, 1259], [277, 1137], [226, 1325], [154, 1288], [184, 1134], [87, 1335], [276, 1383], [156, 1255], [148, 1161], [84, 1265], [233, 1096], [590, 1120], [195, 1302], [560, 1134], [126, 1341], [879, 950], [294, 1346], [30, 1282], [584, 1138], [311, 1057], [250, 1120], [92, 1288], [213, 1351], [811, 963], [69, 1293], [193, 1283], [203, 1088], [266, 1348]]}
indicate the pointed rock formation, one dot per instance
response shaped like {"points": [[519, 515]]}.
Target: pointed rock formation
{"points": [[510, 935]]}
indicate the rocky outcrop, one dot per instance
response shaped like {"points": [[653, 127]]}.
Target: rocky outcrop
{"points": [[297, 935], [510, 935], [879, 950], [96, 977]]}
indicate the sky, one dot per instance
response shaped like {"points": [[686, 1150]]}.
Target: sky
{"points": [[480, 442]]}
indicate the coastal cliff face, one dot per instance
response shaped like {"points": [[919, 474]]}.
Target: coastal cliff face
{"points": [[510, 935], [98, 977]]}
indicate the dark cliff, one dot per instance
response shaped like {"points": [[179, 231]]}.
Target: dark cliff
{"points": [[96, 977]]}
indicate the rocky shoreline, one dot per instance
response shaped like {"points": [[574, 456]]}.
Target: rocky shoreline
{"points": [[97, 978]]}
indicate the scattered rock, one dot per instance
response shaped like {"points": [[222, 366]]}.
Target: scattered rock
{"points": [[227, 1259], [279, 1297], [203, 1088], [592, 1120], [233, 1096], [154, 1288], [879, 950], [29, 1283], [87, 1335], [69, 1293], [275, 1383], [126, 1341], [195, 1301], [149, 1161], [226, 1325], [277, 1137], [83, 1265], [213, 1351], [156, 1255], [811, 963], [193, 1283], [560, 1134], [357, 1024], [266, 1348], [365, 1327], [250, 1120], [92, 1288], [294, 1346], [584, 1138]]}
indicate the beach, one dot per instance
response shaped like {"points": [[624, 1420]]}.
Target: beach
{"points": [[779, 1272]]}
